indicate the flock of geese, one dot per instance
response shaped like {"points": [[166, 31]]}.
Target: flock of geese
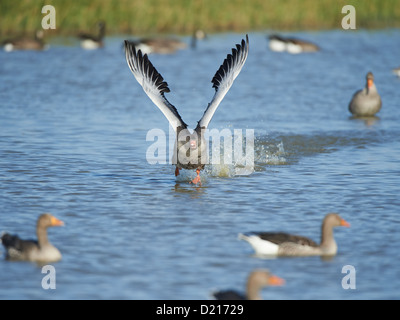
{"points": [[279, 244], [92, 41], [365, 102]]}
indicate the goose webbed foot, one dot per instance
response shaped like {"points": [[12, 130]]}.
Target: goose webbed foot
{"points": [[197, 180], [177, 172]]}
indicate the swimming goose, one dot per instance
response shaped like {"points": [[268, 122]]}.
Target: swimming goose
{"points": [[25, 43], [158, 45], [366, 102], [396, 71], [284, 244], [40, 250], [190, 148], [91, 42], [277, 43], [292, 45], [255, 282]]}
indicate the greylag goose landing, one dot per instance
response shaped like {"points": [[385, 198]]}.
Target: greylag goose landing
{"points": [[366, 102], [40, 250], [190, 148], [257, 280], [284, 244]]}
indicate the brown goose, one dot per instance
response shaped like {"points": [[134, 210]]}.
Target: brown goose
{"points": [[255, 282], [40, 250], [366, 102], [158, 45], [190, 147], [26, 43], [284, 244]]}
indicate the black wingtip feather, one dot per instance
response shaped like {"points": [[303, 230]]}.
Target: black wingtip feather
{"points": [[140, 63], [229, 61], [143, 60]]}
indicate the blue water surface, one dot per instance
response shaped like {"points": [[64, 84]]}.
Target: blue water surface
{"points": [[73, 128]]}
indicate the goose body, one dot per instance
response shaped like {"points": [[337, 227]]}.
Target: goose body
{"points": [[277, 43], [92, 42], [285, 244], [40, 250], [292, 45], [256, 280], [190, 146], [158, 45], [366, 102], [25, 43]]}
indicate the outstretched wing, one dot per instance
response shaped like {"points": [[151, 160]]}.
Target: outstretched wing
{"points": [[152, 82], [224, 77]]}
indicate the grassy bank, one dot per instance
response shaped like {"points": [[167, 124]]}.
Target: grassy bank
{"points": [[183, 16]]}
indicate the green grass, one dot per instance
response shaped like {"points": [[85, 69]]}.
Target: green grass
{"points": [[184, 16]]}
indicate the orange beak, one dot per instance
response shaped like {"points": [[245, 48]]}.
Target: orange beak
{"points": [[56, 223], [370, 82], [276, 281], [193, 144], [344, 223]]}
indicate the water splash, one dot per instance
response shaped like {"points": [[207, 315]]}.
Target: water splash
{"points": [[276, 157], [265, 153], [270, 153]]}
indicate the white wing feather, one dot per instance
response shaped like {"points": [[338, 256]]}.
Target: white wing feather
{"points": [[153, 83], [223, 79]]}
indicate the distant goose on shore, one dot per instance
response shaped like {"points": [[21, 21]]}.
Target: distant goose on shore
{"points": [[160, 45], [285, 244], [292, 45], [366, 102], [40, 250], [90, 41], [257, 280], [190, 148], [26, 43]]}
